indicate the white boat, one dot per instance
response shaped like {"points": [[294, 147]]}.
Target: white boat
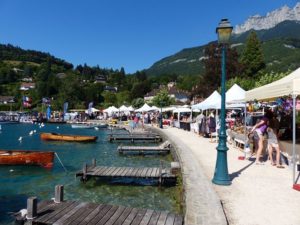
{"points": [[88, 125], [83, 126]]}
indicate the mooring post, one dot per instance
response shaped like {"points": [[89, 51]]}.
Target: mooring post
{"points": [[94, 162], [31, 208], [59, 194], [160, 174], [84, 172]]}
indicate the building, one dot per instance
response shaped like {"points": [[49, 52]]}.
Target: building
{"points": [[61, 75], [7, 99], [180, 96], [27, 86], [27, 79], [100, 79], [111, 89]]}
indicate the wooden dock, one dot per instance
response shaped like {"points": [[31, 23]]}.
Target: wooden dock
{"points": [[60, 212], [163, 148], [155, 175], [135, 137]]}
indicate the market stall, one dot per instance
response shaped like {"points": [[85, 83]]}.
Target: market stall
{"points": [[287, 86]]}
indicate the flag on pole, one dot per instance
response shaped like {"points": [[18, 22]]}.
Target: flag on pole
{"points": [[26, 101], [66, 105], [90, 108], [48, 113]]}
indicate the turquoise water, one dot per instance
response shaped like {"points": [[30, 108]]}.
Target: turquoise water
{"points": [[20, 182]]}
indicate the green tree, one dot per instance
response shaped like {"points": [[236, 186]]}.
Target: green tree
{"points": [[109, 98], [212, 63], [138, 102], [252, 57], [162, 99]]}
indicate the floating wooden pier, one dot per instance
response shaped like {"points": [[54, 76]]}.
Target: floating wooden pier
{"points": [[155, 175], [135, 137], [164, 148], [60, 212]]}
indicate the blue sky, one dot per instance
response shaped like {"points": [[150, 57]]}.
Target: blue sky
{"points": [[115, 33]]}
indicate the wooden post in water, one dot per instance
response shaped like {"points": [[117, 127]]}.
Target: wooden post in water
{"points": [[94, 162], [59, 194], [160, 174], [84, 172], [31, 207]]}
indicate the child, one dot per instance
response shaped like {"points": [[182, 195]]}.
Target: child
{"points": [[273, 143]]}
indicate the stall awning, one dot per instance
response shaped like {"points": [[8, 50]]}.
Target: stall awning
{"points": [[289, 85]]}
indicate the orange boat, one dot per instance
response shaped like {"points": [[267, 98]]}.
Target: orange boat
{"points": [[23, 157], [67, 137]]}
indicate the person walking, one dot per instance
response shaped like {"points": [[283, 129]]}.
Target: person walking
{"points": [[260, 129]]}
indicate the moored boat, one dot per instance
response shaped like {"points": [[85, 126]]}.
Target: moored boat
{"points": [[24, 157], [67, 137], [83, 126]]}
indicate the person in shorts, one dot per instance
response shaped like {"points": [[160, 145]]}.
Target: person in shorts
{"points": [[273, 144]]}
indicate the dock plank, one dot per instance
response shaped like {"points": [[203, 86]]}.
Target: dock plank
{"points": [[64, 219], [53, 210], [162, 218], [130, 217], [115, 216], [103, 218], [178, 220], [94, 216], [147, 217], [81, 214], [148, 174], [139, 216], [170, 219], [62, 213], [154, 218], [123, 216]]}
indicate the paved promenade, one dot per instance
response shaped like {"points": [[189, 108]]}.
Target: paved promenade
{"points": [[259, 194]]}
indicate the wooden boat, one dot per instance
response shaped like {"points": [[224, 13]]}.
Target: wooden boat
{"points": [[67, 137], [23, 157]]}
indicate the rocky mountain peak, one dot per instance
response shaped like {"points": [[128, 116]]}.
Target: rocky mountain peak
{"points": [[258, 22]]}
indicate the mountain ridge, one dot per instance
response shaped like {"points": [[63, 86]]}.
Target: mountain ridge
{"points": [[272, 18]]}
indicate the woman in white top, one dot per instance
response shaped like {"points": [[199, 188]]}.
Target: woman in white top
{"points": [[273, 143]]}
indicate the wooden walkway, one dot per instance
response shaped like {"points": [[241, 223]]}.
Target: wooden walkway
{"points": [[162, 176], [60, 212], [135, 137], [164, 148]]}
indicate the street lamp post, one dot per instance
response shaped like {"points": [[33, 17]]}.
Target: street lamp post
{"points": [[221, 176]]}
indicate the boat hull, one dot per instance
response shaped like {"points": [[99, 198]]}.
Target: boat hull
{"points": [[22, 157], [65, 137]]}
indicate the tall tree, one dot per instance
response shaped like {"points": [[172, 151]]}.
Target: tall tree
{"points": [[252, 57], [212, 63]]}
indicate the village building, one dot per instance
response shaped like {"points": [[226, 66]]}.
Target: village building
{"points": [[7, 99], [27, 86]]}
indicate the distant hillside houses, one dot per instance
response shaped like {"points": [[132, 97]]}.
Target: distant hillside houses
{"points": [[27, 79], [27, 86], [100, 79], [7, 99], [180, 96], [111, 89]]}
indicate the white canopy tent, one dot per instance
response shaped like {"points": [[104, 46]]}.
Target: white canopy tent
{"points": [[144, 108], [130, 108], [93, 110], [123, 108], [154, 108], [212, 102], [235, 94], [289, 85]]}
